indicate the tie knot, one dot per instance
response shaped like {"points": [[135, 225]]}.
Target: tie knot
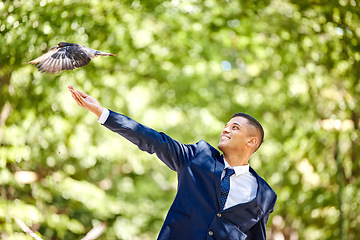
{"points": [[229, 172]]}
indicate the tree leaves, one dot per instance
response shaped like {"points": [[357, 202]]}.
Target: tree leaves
{"points": [[182, 67]]}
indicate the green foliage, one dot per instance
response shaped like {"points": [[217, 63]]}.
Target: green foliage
{"points": [[182, 67]]}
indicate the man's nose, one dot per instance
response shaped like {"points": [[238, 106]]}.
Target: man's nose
{"points": [[226, 130]]}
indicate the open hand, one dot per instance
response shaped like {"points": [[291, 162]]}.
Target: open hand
{"points": [[86, 101]]}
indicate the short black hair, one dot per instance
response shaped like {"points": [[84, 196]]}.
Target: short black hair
{"points": [[252, 121]]}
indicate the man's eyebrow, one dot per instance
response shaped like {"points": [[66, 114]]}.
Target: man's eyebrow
{"points": [[235, 123]]}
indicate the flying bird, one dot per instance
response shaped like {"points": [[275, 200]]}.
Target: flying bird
{"points": [[66, 56]]}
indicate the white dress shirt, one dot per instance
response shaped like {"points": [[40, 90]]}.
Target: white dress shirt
{"points": [[243, 185], [104, 116]]}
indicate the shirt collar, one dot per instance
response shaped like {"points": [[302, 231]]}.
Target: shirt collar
{"points": [[238, 169]]}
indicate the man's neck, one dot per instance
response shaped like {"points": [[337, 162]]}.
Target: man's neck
{"points": [[236, 160]]}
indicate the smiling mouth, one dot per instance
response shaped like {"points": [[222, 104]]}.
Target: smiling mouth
{"points": [[225, 137]]}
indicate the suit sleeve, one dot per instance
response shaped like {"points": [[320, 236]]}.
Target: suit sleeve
{"points": [[258, 231], [173, 153]]}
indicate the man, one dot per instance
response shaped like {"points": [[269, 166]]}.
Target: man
{"points": [[218, 196]]}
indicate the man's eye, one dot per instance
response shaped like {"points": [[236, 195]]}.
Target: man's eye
{"points": [[235, 127]]}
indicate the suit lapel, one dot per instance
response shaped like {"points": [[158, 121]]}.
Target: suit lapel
{"points": [[253, 202], [245, 215], [265, 195], [219, 168]]}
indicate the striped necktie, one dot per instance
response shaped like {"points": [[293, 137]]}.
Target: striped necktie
{"points": [[225, 185]]}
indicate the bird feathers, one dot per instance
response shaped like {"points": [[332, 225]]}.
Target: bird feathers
{"points": [[44, 56], [66, 56]]}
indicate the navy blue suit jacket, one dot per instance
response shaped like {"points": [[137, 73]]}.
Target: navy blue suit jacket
{"points": [[195, 213]]}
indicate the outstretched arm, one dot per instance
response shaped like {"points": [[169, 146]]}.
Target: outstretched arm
{"points": [[86, 101], [174, 154]]}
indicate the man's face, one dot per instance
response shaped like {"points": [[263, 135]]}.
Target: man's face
{"points": [[235, 135]]}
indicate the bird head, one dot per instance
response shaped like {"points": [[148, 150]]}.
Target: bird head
{"points": [[63, 44]]}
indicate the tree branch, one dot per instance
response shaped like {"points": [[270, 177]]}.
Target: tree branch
{"points": [[26, 229], [95, 232]]}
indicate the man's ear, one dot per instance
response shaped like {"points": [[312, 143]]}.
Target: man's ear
{"points": [[252, 142]]}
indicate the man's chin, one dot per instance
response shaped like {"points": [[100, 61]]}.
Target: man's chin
{"points": [[221, 146]]}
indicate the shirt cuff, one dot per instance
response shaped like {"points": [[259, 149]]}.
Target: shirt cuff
{"points": [[104, 116]]}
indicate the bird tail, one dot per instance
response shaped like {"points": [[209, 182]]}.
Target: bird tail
{"points": [[98, 53]]}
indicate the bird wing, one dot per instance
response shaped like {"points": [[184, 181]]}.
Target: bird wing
{"points": [[44, 56], [65, 58]]}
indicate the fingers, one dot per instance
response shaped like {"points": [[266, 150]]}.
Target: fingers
{"points": [[82, 99], [79, 98], [86, 101], [76, 96], [82, 94], [73, 94]]}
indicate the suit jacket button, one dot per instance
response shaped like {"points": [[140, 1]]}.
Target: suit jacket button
{"points": [[219, 214], [211, 233]]}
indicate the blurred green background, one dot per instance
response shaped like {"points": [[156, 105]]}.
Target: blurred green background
{"points": [[181, 67]]}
